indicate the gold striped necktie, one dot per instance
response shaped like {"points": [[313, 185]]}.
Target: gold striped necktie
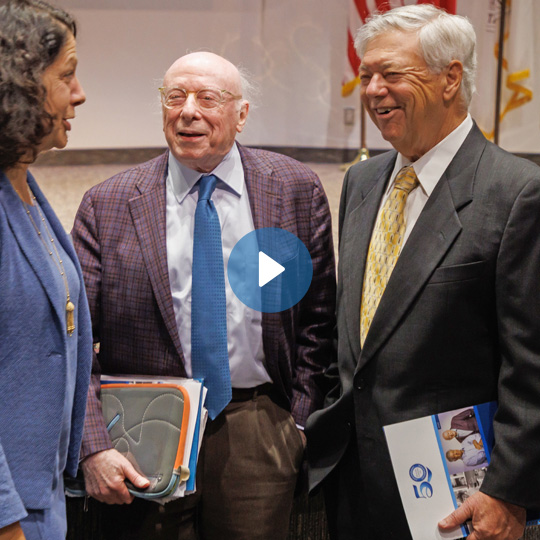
{"points": [[384, 247]]}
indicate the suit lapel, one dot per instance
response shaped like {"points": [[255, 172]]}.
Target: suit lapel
{"points": [[265, 200], [148, 212], [354, 246], [55, 224], [23, 229], [432, 236], [434, 233], [264, 197]]}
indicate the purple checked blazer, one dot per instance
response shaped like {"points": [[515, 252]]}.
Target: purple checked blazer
{"points": [[466, 421], [119, 234]]}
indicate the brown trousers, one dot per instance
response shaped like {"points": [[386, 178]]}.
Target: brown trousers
{"points": [[246, 476]]}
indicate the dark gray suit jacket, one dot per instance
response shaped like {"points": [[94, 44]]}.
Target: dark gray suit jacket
{"points": [[458, 324]]}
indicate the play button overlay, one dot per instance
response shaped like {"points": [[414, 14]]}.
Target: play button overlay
{"points": [[270, 270]]}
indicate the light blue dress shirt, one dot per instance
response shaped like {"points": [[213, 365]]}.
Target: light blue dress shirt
{"points": [[244, 325]]}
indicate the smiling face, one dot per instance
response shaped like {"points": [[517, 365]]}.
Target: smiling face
{"points": [[64, 93], [449, 434], [200, 138], [454, 455], [413, 107]]}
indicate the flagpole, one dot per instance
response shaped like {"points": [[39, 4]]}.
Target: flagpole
{"points": [[500, 59], [363, 153]]}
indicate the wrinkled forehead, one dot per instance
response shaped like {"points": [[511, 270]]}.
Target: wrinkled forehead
{"points": [[197, 71]]}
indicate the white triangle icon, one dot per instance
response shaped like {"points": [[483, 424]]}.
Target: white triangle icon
{"points": [[268, 269]]}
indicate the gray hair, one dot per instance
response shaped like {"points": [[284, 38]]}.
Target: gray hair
{"points": [[443, 38], [250, 90]]}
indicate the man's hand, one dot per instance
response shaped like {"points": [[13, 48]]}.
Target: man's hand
{"points": [[492, 518], [104, 475], [12, 532]]}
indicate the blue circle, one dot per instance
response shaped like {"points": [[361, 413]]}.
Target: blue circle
{"points": [[283, 291], [417, 472]]}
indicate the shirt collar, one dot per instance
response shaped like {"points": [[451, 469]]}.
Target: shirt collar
{"points": [[431, 166], [230, 173]]}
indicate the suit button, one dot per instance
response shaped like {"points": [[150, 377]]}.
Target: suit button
{"points": [[360, 384]]}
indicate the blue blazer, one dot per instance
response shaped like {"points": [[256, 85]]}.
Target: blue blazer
{"points": [[33, 345]]}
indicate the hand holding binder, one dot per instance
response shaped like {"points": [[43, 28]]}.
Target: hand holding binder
{"points": [[156, 427], [105, 474]]}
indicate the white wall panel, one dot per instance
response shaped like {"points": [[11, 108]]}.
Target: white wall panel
{"points": [[294, 48]]}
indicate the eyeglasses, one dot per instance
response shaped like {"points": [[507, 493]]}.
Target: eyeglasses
{"points": [[206, 98]]}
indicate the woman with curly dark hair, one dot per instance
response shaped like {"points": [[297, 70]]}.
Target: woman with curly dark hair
{"points": [[45, 332]]}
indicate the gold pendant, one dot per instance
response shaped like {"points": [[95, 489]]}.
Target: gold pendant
{"points": [[70, 318]]}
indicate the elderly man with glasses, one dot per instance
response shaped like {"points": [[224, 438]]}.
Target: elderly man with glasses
{"points": [[137, 238]]}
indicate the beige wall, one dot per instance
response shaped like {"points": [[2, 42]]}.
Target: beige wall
{"points": [[294, 48]]}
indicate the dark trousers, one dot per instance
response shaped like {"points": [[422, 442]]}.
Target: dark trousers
{"points": [[352, 514]]}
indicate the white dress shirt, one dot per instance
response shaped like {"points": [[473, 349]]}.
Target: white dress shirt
{"points": [[244, 329], [429, 169], [473, 456], [462, 433]]}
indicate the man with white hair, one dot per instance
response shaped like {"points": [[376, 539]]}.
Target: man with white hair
{"points": [[438, 286]]}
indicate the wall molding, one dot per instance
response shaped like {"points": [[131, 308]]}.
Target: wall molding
{"points": [[138, 155]]}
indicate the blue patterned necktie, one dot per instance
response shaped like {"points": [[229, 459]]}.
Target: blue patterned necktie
{"points": [[209, 355]]}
